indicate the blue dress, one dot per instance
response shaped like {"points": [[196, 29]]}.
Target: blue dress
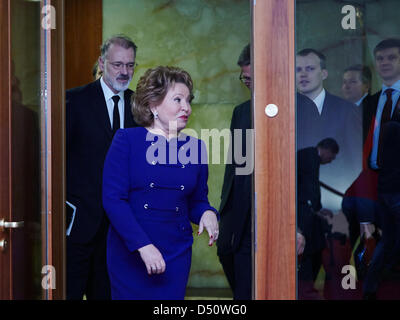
{"points": [[152, 189]]}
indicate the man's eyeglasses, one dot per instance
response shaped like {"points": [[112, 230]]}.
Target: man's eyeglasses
{"points": [[244, 79], [120, 65]]}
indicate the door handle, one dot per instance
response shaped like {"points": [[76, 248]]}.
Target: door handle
{"points": [[10, 225], [3, 245]]}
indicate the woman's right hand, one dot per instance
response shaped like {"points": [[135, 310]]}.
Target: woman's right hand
{"points": [[153, 259]]}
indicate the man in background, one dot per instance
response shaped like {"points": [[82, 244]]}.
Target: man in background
{"points": [[332, 116], [328, 116], [96, 72], [94, 113], [356, 88], [387, 102], [234, 242], [311, 219]]}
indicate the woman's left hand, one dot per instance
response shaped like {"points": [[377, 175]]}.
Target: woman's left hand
{"points": [[210, 222]]}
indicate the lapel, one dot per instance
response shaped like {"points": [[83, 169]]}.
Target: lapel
{"points": [[326, 106], [375, 100], [99, 107], [396, 110], [244, 119], [128, 117]]}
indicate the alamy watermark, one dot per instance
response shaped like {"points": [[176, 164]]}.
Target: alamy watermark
{"points": [[237, 149], [49, 19], [349, 280], [49, 277], [349, 20]]}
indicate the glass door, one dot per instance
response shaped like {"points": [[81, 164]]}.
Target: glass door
{"points": [[20, 224], [347, 55], [325, 176], [29, 214]]}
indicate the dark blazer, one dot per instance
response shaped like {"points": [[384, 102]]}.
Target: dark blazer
{"points": [[308, 189], [369, 106], [389, 175], [235, 208], [339, 119], [342, 121], [88, 137], [309, 199]]}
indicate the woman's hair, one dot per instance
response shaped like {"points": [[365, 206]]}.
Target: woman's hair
{"points": [[152, 89]]}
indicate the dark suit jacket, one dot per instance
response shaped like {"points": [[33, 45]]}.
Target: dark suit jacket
{"points": [[235, 208], [365, 185], [369, 105], [340, 120], [309, 199], [88, 137], [389, 175]]}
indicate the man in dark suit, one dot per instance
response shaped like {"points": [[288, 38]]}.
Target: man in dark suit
{"points": [[330, 116], [234, 242], [310, 214], [357, 207], [387, 64], [93, 114], [356, 88]]}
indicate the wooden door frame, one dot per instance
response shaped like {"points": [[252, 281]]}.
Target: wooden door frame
{"points": [[275, 180], [53, 152], [5, 138]]}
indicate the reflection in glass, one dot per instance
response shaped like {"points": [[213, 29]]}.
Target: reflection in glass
{"points": [[346, 206], [25, 171]]}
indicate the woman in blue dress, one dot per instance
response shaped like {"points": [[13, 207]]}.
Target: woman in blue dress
{"points": [[154, 185]]}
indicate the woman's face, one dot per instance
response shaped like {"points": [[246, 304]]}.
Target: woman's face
{"points": [[174, 111]]}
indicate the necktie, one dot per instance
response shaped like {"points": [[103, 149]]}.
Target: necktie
{"points": [[386, 114], [116, 123]]}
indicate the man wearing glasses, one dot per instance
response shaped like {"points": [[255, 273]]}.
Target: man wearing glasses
{"points": [[94, 113]]}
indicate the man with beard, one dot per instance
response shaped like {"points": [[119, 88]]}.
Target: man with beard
{"points": [[94, 113]]}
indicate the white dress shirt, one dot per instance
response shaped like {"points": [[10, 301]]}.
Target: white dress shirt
{"points": [[108, 94], [319, 100], [361, 100]]}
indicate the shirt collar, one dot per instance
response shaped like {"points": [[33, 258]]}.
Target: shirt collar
{"points": [[362, 98], [395, 86], [108, 94], [319, 100]]}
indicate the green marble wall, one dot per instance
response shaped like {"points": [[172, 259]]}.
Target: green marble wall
{"points": [[204, 37]]}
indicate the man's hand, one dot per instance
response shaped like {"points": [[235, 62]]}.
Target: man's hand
{"points": [[325, 213], [301, 243], [367, 229]]}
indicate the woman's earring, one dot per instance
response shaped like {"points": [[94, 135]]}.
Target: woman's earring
{"points": [[155, 115]]}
